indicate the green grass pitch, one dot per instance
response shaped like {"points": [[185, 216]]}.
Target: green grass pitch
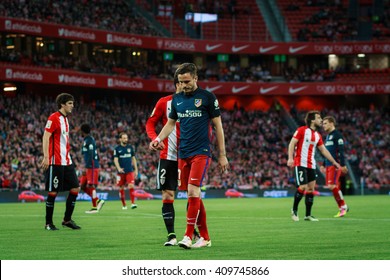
{"points": [[240, 229]]}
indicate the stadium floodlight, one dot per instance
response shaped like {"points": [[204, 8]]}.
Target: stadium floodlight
{"points": [[201, 17], [9, 87]]}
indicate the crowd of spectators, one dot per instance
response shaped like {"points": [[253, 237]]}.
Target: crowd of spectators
{"points": [[256, 143], [99, 63], [113, 15], [335, 21], [329, 23]]}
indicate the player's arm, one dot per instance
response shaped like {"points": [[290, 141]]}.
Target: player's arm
{"points": [[324, 151], [91, 153], [222, 159], [134, 162], [340, 149], [116, 162], [166, 130], [45, 149], [153, 119], [291, 149]]}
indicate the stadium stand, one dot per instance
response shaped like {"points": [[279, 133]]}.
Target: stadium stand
{"points": [[257, 139], [256, 143], [258, 153], [115, 15]]}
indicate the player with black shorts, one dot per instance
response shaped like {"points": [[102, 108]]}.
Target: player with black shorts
{"points": [[60, 172], [167, 171], [304, 143]]}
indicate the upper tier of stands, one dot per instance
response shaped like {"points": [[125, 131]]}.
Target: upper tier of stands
{"points": [[314, 20], [320, 20]]}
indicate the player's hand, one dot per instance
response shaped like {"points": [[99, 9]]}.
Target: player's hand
{"points": [[344, 170], [156, 145], [161, 146], [338, 166], [223, 163], [290, 163], [45, 163]]}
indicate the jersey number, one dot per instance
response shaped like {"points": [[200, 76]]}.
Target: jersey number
{"points": [[300, 176], [162, 176]]}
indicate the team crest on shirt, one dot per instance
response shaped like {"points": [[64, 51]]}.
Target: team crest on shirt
{"points": [[198, 102], [330, 137], [48, 124], [128, 150]]}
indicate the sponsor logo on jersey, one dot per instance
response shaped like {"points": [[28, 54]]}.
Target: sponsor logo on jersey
{"points": [[190, 114], [216, 104]]}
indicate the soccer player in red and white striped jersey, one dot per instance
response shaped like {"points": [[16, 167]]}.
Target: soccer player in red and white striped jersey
{"points": [[167, 173], [60, 173], [304, 143]]}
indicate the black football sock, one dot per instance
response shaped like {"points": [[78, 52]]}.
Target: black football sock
{"points": [[297, 198], [168, 213], [309, 199], [70, 204], [50, 208]]}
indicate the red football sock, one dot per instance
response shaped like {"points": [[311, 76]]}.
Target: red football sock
{"points": [[122, 196], [338, 196], [94, 197], [192, 214], [202, 224], [132, 195]]}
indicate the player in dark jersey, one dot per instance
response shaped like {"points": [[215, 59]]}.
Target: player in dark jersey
{"points": [[126, 164], [335, 144], [306, 139], [90, 176], [167, 172], [196, 109], [60, 173]]}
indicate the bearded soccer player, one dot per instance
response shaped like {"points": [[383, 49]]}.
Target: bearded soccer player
{"points": [[60, 173], [89, 179], [196, 109], [304, 143], [167, 172], [126, 165], [334, 143]]}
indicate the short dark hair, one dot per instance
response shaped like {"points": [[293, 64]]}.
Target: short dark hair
{"points": [[187, 68], [62, 98], [310, 116], [330, 119], [85, 128]]}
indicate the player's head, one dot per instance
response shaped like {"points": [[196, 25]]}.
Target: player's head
{"points": [[123, 138], [329, 123], [63, 99], [313, 119], [85, 128], [187, 74]]}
